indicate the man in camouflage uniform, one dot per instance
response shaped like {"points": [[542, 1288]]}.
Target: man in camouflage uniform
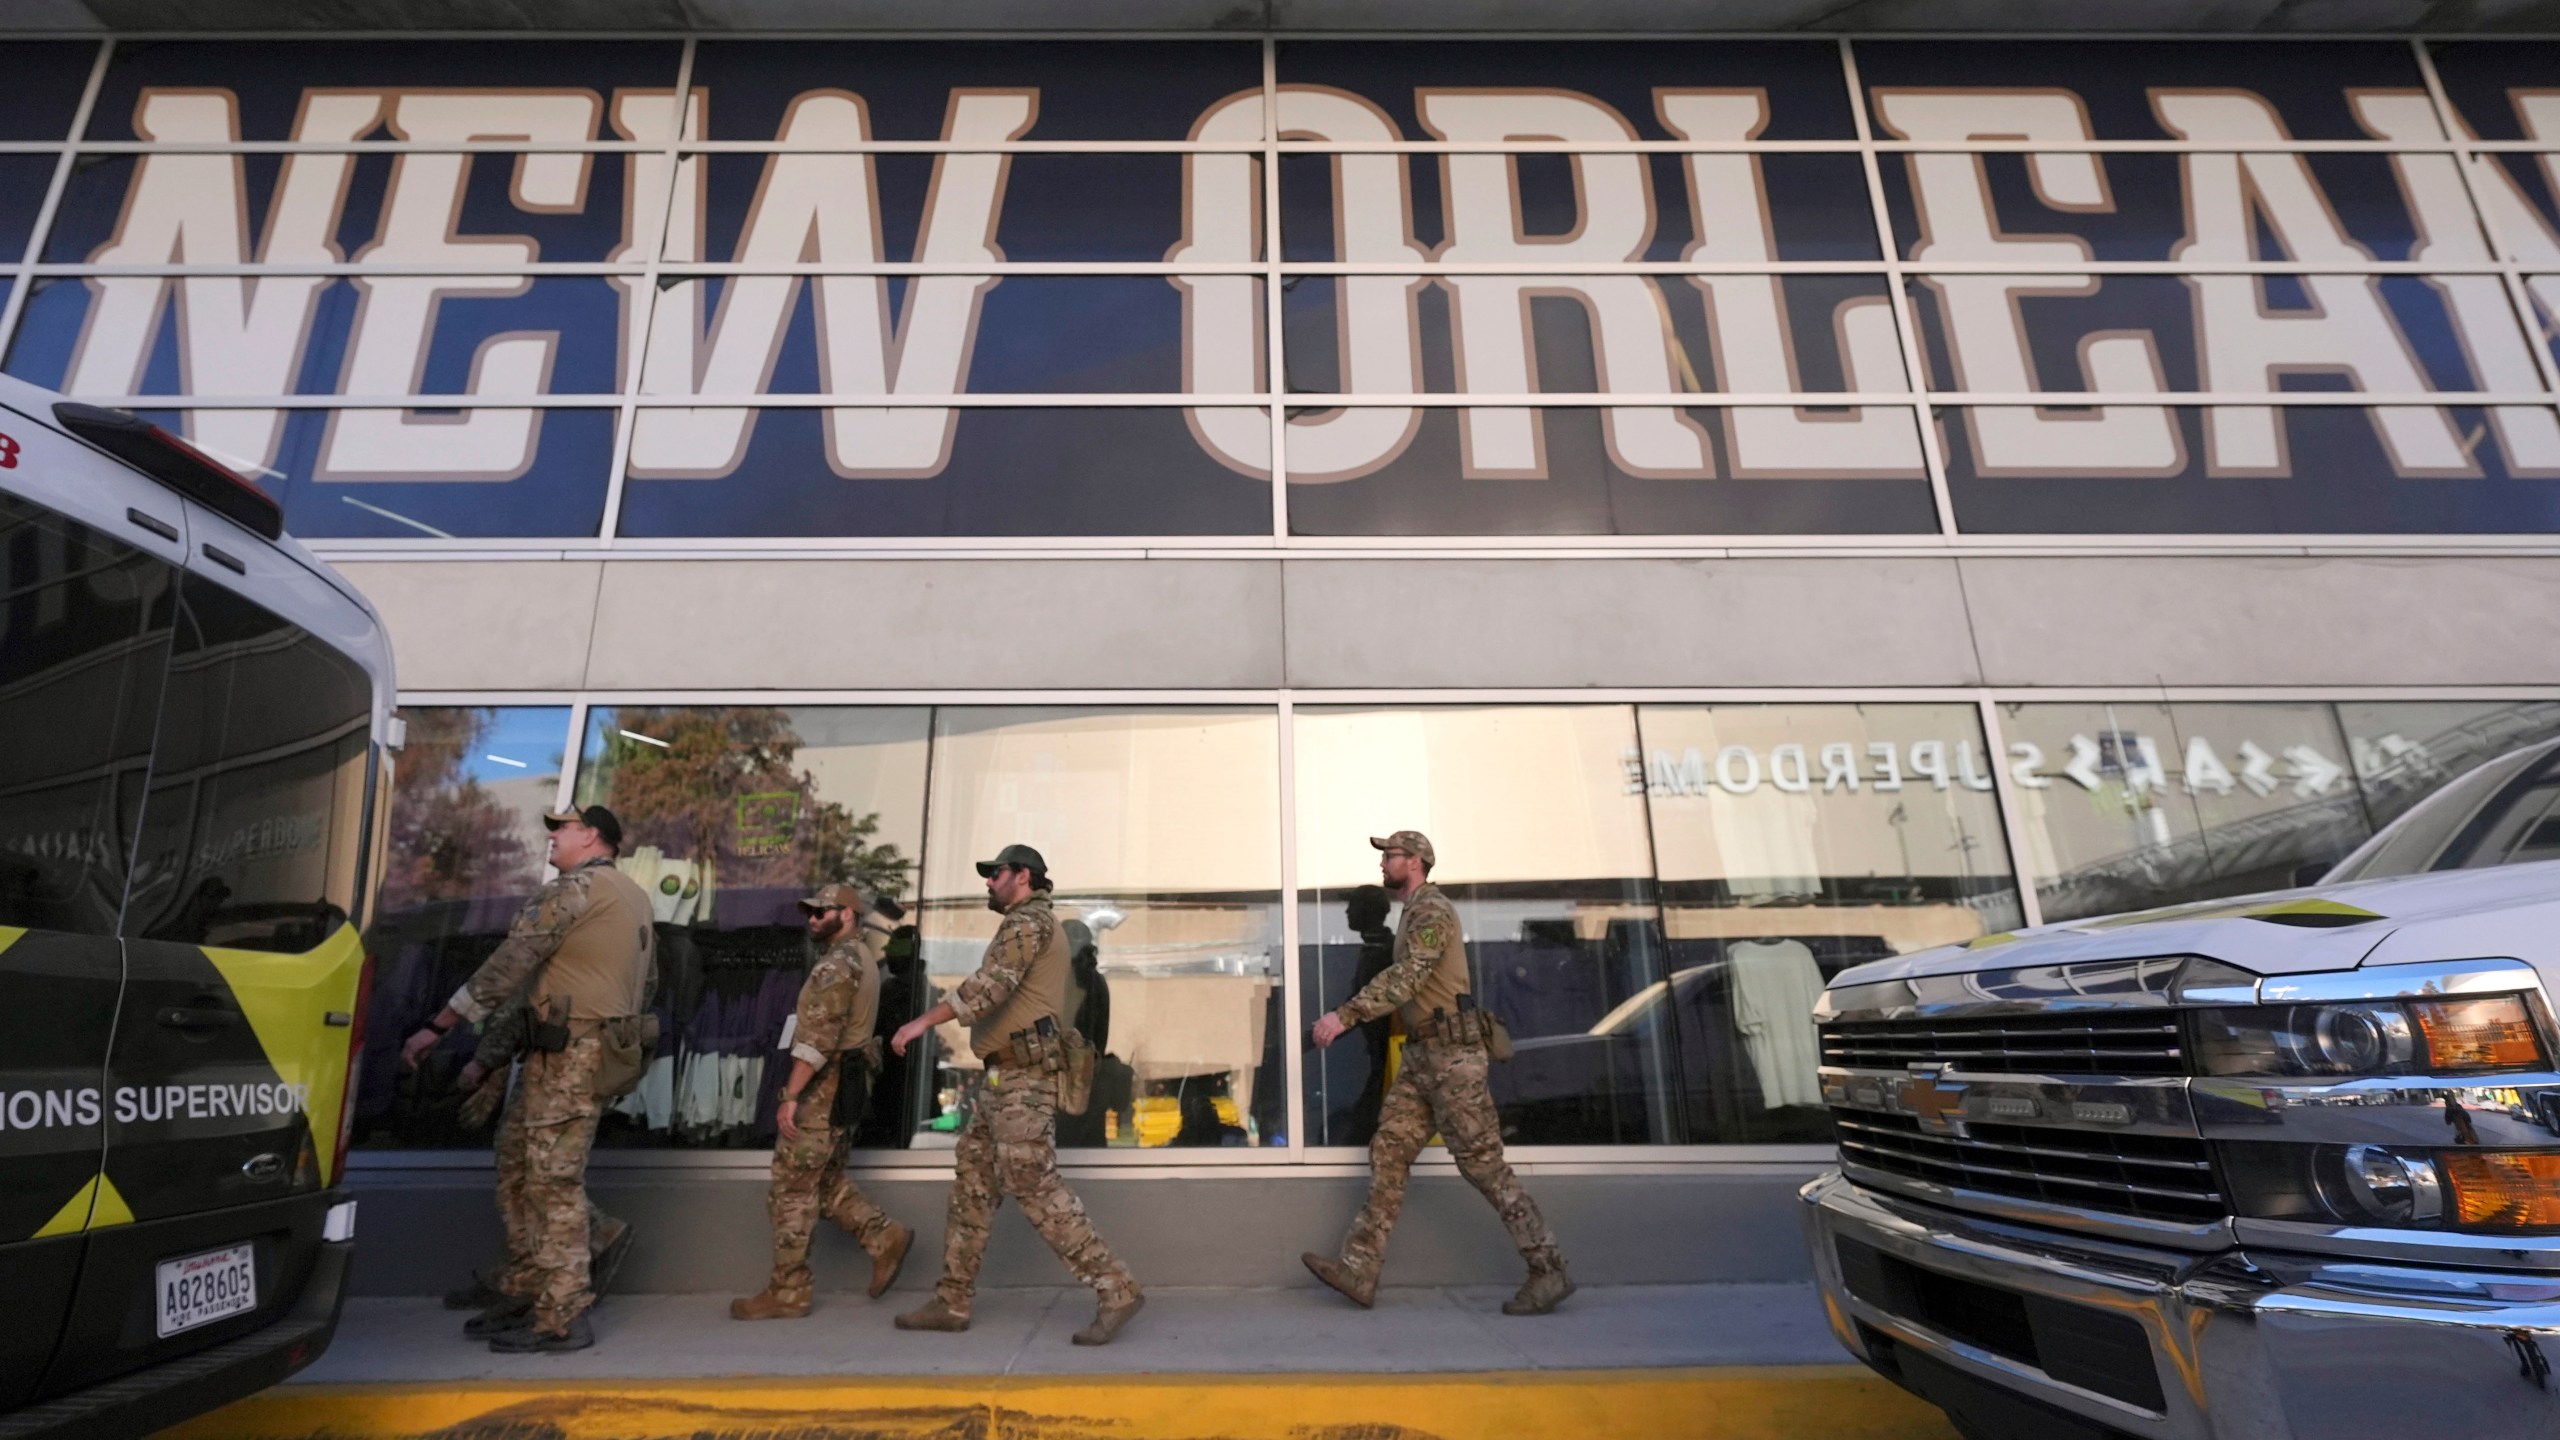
{"points": [[483, 1083], [580, 954], [831, 1034], [1009, 1146], [1440, 1085]]}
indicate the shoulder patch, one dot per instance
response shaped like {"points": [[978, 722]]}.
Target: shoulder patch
{"points": [[1431, 934]]}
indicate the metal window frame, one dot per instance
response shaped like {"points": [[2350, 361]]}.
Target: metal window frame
{"points": [[1298, 1158], [1923, 402]]}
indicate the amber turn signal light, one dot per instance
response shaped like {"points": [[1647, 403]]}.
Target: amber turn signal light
{"points": [[2491, 1033], [2503, 1190]]}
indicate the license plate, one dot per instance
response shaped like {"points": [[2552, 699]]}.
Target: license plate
{"points": [[201, 1289]]}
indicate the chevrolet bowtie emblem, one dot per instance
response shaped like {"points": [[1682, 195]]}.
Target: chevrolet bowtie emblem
{"points": [[1939, 1108]]}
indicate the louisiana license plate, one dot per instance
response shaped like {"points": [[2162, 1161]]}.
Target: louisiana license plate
{"points": [[201, 1289]]}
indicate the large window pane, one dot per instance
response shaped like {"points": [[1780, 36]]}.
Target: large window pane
{"points": [[730, 814], [464, 852], [1162, 833], [85, 622], [1542, 846], [2406, 750], [1795, 841], [253, 832], [2129, 805]]}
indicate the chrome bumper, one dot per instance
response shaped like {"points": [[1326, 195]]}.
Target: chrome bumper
{"points": [[2246, 1345]]}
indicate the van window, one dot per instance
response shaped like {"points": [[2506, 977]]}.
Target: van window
{"points": [[254, 829], [85, 622]]}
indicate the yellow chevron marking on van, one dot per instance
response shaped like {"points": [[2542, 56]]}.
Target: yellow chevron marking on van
{"points": [[9, 935], [286, 998], [1837, 1402], [95, 1207]]}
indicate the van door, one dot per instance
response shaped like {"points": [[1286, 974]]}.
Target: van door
{"points": [[85, 626], [230, 1060]]}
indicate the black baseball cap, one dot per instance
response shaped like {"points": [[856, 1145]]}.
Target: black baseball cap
{"points": [[594, 817], [1022, 855]]}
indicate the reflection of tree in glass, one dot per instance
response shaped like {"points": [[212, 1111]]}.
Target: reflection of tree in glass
{"points": [[450, 838], [720, 781]]}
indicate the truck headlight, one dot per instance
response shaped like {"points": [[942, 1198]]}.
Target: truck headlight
{"points": [[2369, 1185], [2369, 1037]]}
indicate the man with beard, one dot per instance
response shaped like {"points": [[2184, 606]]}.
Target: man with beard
{"points": [[1441, 1085], [1009, 1146], [834, 1053]]}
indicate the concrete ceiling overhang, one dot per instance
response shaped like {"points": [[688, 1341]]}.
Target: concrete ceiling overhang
{"points": [[2393, 17]]}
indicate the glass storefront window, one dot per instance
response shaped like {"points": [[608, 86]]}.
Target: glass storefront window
{"points": [[465, 843], [730, 815], [2128, 805], [1792, 842], [2406, 750], [1543, 849], [1162, 833]]}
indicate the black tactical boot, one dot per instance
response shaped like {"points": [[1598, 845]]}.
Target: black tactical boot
{"points": [[512, 1312], [529, 1341]]}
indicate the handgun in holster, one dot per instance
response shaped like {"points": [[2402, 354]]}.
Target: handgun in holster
{"points": [[543, 1034]]}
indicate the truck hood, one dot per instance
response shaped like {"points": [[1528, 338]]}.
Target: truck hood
{"points": [[2455, 914]]}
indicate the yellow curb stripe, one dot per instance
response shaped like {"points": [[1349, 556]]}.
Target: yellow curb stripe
{"points": [[1834, 1402]]}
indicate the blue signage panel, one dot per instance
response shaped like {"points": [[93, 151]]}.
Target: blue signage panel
{"points": [[40, 84], [1493, 272], [421, 474]]}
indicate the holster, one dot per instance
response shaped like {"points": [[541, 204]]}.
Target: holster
{"points": [[628, 1042], [1075, 1072], [854, 1069], [542, 1034]]}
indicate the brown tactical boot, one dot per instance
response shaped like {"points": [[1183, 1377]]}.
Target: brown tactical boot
{"points": [[772, 1303], [1108, 1318], [1545, 1290], [1361, 1290], [885, 1263], [934, 1316]]}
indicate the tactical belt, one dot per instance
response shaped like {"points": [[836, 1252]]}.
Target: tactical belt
{"points": [[1440, 1027]]}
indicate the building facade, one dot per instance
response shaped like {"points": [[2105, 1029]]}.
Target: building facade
{"points": [[1758, 503]]}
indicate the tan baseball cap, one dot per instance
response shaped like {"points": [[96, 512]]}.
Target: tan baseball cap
{"points": [[1412, 842], [838, 896]]}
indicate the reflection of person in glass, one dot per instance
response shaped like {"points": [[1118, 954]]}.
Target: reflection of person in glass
{"points": [[834, 1053], [1201, 1123], [1013, 1006], [1366, 913], [1089, 1005], [1441, 1085]]}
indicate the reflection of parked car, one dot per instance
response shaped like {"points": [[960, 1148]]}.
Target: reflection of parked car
{"points": [[2287, 1165], [1684, 1058]]}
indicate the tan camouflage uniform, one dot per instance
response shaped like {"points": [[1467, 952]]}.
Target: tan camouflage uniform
{"points": [[833, 1028], [550, 1121], [1010, 1145], [1441, 1085], [501, 1043]]}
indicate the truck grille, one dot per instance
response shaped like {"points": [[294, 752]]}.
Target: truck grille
{"points": [[2093, 1043], [2153, 1177]]}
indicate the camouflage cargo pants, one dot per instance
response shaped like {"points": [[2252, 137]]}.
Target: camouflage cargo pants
{"points": [[1010, 1147], [542, 1182], [809, 1181], [1442, 1086], [514, 1274]]}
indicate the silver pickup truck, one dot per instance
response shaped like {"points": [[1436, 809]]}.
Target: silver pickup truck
{"points": [[2286, 1165]]}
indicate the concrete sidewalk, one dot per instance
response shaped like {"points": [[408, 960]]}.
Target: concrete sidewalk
{"points": [[1630, 1362], [1414, 1330]]}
